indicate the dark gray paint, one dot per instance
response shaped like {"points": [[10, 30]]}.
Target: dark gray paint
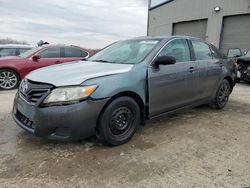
{"points": [[169, 86], [161, 89]]}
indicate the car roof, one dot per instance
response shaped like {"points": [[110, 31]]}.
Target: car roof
{"points": [[164, 37], [61, 46]]}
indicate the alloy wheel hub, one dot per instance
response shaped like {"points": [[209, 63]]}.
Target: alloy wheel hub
{"points": [[8, 80], [223, 94]]}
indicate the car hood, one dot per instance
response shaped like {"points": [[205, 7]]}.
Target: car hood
{"points": [[76, 73]]}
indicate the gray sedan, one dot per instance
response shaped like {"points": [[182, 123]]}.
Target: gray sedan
{"points": [[122, 86]]}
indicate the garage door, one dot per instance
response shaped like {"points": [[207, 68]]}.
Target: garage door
{"points": [[236, 33], [197, 28]]}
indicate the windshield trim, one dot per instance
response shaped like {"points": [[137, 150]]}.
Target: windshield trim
{"points": [[143, 59]]}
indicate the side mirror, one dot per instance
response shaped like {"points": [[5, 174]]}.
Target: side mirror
{"points": [[165, 60], [237, 56], [36, 57]]}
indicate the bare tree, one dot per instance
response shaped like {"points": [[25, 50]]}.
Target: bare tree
{"points": [[11, 41]]}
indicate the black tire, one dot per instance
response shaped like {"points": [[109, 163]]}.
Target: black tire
{"points": [[222, 95], [9, 79], [118, 121]]}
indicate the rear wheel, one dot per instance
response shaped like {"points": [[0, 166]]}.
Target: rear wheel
{"points": [[8, 79], [118, 122], [222, 95]]}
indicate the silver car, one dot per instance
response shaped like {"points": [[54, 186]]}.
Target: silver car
{"points": [[121, 87]]}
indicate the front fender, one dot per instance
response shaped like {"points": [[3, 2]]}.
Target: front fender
{"points": [[108, 86]]}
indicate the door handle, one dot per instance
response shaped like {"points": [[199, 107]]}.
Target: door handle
{"points": [[58, 62], [191, 69]]}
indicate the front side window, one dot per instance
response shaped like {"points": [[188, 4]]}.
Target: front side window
{"points": [[51, 53], [125, 52], [179, 49], [201, 50]]}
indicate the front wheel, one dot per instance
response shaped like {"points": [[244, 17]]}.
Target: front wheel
{"points": [[8, 79], [222, 95], [118, 122]]}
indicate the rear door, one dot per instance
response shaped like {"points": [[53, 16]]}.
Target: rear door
{"points": [[209, 68], [168, 87]]}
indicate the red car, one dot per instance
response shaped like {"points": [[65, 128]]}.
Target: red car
{"points": [[14, 69]]}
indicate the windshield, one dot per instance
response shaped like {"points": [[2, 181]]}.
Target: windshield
{"points": [[29, 52], [125, 52], [248, 53]]}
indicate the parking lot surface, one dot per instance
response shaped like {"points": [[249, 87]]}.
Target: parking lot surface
{"points": [[201, 147]]}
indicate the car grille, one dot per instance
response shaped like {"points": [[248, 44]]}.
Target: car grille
{"points": [[34, 95], [34, 92], [24, 120]]}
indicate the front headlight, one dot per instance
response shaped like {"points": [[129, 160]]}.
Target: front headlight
{"points": [[69, 94]]}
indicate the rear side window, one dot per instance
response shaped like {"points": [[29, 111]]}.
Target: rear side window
{"points": [[73, 52], [177, 48], [84, 54], [51, 53], [201, 50]]}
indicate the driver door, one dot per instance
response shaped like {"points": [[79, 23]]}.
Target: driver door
{"points": [[168, 87], [48, 56]]}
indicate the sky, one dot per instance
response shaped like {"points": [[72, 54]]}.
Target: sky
{"points": [[92, 24]]}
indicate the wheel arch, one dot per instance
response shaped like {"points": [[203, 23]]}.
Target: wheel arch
{"points": [[230, 80], [137, 98]]}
